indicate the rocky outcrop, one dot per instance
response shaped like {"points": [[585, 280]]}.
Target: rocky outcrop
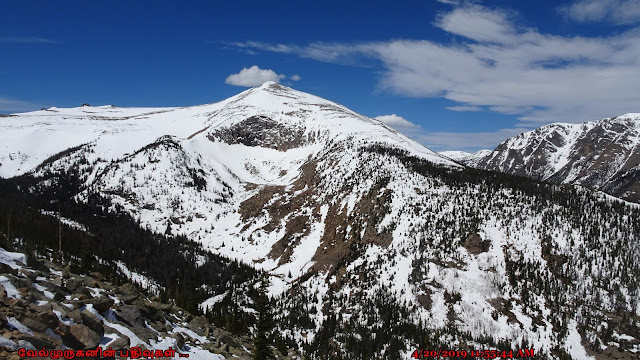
{"points": [[261, 131], [49, 307]]}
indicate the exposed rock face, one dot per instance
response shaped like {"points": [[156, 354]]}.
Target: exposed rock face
{"points": [[603, 155], [475, 245], [261, 131]]}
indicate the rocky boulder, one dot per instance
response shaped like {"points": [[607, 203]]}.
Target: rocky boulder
{"points": [[85, 336]]}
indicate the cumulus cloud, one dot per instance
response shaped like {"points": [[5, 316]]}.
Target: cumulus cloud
{"points": [[394, 120], [619, 12], [253, 76], [296, 78], [495, 63]]}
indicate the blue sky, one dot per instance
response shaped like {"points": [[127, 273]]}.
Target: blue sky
{"points": [[451, 74]]}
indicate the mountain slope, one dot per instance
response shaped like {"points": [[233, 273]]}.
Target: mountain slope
{"points": [[464, 157], [603, 155], [376, 246], [79, 312]]}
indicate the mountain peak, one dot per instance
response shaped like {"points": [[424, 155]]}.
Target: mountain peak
{"points": [[270, 108], [269, 83]]}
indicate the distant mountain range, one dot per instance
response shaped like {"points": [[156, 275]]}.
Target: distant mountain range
{"points": [[374, 246], [602, 155]]}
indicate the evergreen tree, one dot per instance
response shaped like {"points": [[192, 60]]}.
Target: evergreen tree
{"points": [[261, 340]]}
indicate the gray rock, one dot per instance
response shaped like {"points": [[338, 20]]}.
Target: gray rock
{"points": [[62, 330], [83, 290], [48, 318], [6, 269], [105, 285], [129, 299], [66, 272], [122, 342], [210, 347], [229, 341], [129, 289], [59, 296], [83, 334], [199, 325], [34, 325], [179, 340], [20, 282], [143, 332], [57, 281], [39, 343], [36, 264], [39, 296], [89, 281], [161, 306], [155, 314], [31, 274], [28, 297], [79, 297], [59, 308], [157, 326], [132, 315], [92, 322], [75, 315], [97, 275], [100, 304], [55, 289], [73, 284]]}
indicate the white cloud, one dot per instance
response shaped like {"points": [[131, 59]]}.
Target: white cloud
{"points": [[441, 140], [464, 108], [619, 12], [478, 23], [12, 105], [394, 121], [403, 126], [296, 78], [253, 76], [539, 77], [249, 45]]}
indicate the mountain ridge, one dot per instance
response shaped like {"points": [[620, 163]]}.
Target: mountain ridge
{"points": [[603, 155], [104, 124], [363, 231]]}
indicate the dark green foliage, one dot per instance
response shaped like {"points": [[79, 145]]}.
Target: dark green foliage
{"points": [[369, 324], [262, 338], [175, 263]]}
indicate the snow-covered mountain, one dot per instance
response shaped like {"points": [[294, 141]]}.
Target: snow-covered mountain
{"points": [[375, 245], [464, 157], [603, 155]]}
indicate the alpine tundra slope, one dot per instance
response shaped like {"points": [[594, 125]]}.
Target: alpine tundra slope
{"points": [[375, 245]]}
